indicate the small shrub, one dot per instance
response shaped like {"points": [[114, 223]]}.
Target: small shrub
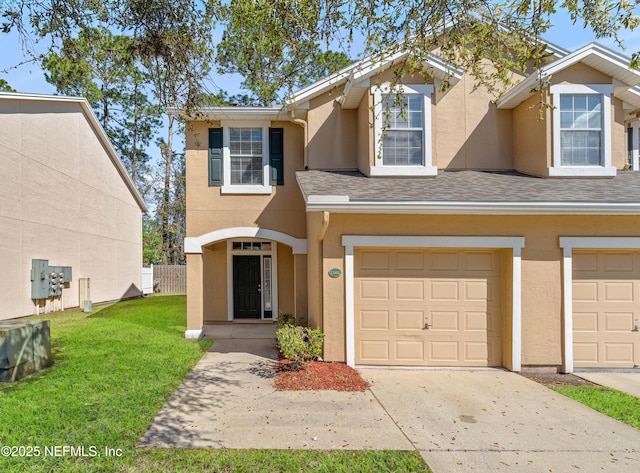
{"points": [[299, 344], [285, 319]]}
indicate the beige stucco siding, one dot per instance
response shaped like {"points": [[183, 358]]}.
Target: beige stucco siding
{"points": [[62, 199], [469, 131], [531, 148], [332, 131], [209, 210], [541, 267]]}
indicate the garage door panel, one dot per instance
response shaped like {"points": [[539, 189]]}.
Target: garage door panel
{"points": [[585, 291], [480, 261], [475, 351], [444, 351], [463, 310], [584, 352], [618, 321], [410, 261], [606, 303], [619, 352], [615, 291], [618, 262], [373, 289], [409, 290], [374, 260], [476, 321], [444, 320], [409, 320], [444, 290], [585, 321], [374, 350], [444, 261], [409, 350], [374, 320]]}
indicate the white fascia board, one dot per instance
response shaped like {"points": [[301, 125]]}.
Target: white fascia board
{"points": [[278, 113], [605, 243], [524, 89], [410, 241], [97, 128], [470, 208]]}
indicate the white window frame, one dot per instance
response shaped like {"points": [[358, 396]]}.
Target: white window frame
{"points": [[427, 168], [604, 170], [227, 187]]}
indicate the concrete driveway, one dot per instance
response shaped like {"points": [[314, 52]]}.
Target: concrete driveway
{"points": [[459, 420], [492, 420]]}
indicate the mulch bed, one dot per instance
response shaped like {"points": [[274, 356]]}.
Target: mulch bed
{"points": [[557, 379], [318, 375]]}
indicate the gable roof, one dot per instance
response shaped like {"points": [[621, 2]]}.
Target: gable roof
{"points": [[97, 128], [594, 55], [356, 76]]}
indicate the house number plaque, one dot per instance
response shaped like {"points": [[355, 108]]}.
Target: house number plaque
{"points": [[335, 273]]}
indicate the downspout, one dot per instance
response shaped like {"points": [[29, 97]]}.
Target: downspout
{"points": [[325, 225], [303, 124]]}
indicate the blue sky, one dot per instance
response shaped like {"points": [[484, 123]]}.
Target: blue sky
{"points": [[29, 77]]}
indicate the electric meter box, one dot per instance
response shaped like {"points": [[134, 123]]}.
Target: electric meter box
{"points": [[25, 347], [48, 281]]}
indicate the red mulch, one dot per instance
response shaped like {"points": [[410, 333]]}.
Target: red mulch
{"points": [[318, 375]]}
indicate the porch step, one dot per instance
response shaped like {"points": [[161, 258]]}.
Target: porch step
{"points": [[244, 330]]}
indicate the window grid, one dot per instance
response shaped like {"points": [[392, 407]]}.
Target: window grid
{"points": [[245, 147], [402, 142], [580, 129]]}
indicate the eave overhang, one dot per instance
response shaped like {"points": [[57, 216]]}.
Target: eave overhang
{"points": [[594, 55]]}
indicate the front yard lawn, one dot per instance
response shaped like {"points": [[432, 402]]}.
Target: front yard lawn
{"points": [[613, 403], [113, 371]]}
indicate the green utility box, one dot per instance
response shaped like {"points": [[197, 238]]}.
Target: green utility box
{"points": [[25, 347]]}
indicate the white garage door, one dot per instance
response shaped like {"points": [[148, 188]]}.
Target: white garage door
{"points": [[606, 309], [428, 307]]}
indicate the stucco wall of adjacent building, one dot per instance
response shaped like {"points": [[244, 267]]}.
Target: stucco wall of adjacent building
{"points": [[541, 268], [62, 199]]}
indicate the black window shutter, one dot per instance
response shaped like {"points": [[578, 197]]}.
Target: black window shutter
{"points": [[276, 156], [215, 157]]}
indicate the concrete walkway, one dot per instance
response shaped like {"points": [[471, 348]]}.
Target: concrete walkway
{"points": [[228, 401], [622, 381], [459, 420]]}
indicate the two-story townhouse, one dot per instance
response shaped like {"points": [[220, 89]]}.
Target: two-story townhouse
{"points": [[440, 228]]}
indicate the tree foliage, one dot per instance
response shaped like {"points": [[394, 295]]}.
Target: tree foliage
{"points": [[135, 58]]}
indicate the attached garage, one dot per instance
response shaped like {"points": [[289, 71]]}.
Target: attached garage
{"points": [[428, 307], [606, 308], [433, 300]]}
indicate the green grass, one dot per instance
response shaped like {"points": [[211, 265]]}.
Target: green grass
{"points": [[113, 371], [613, 403]]}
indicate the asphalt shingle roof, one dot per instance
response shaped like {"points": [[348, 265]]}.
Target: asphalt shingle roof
{"points": [[472, 186]]}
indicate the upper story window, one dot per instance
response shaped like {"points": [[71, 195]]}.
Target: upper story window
{"points": [[582, 130], [246, 158], [402, 130], [402, 142]]}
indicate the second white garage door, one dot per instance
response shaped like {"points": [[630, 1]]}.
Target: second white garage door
{"points": [[606, 309], [418, 307]]}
